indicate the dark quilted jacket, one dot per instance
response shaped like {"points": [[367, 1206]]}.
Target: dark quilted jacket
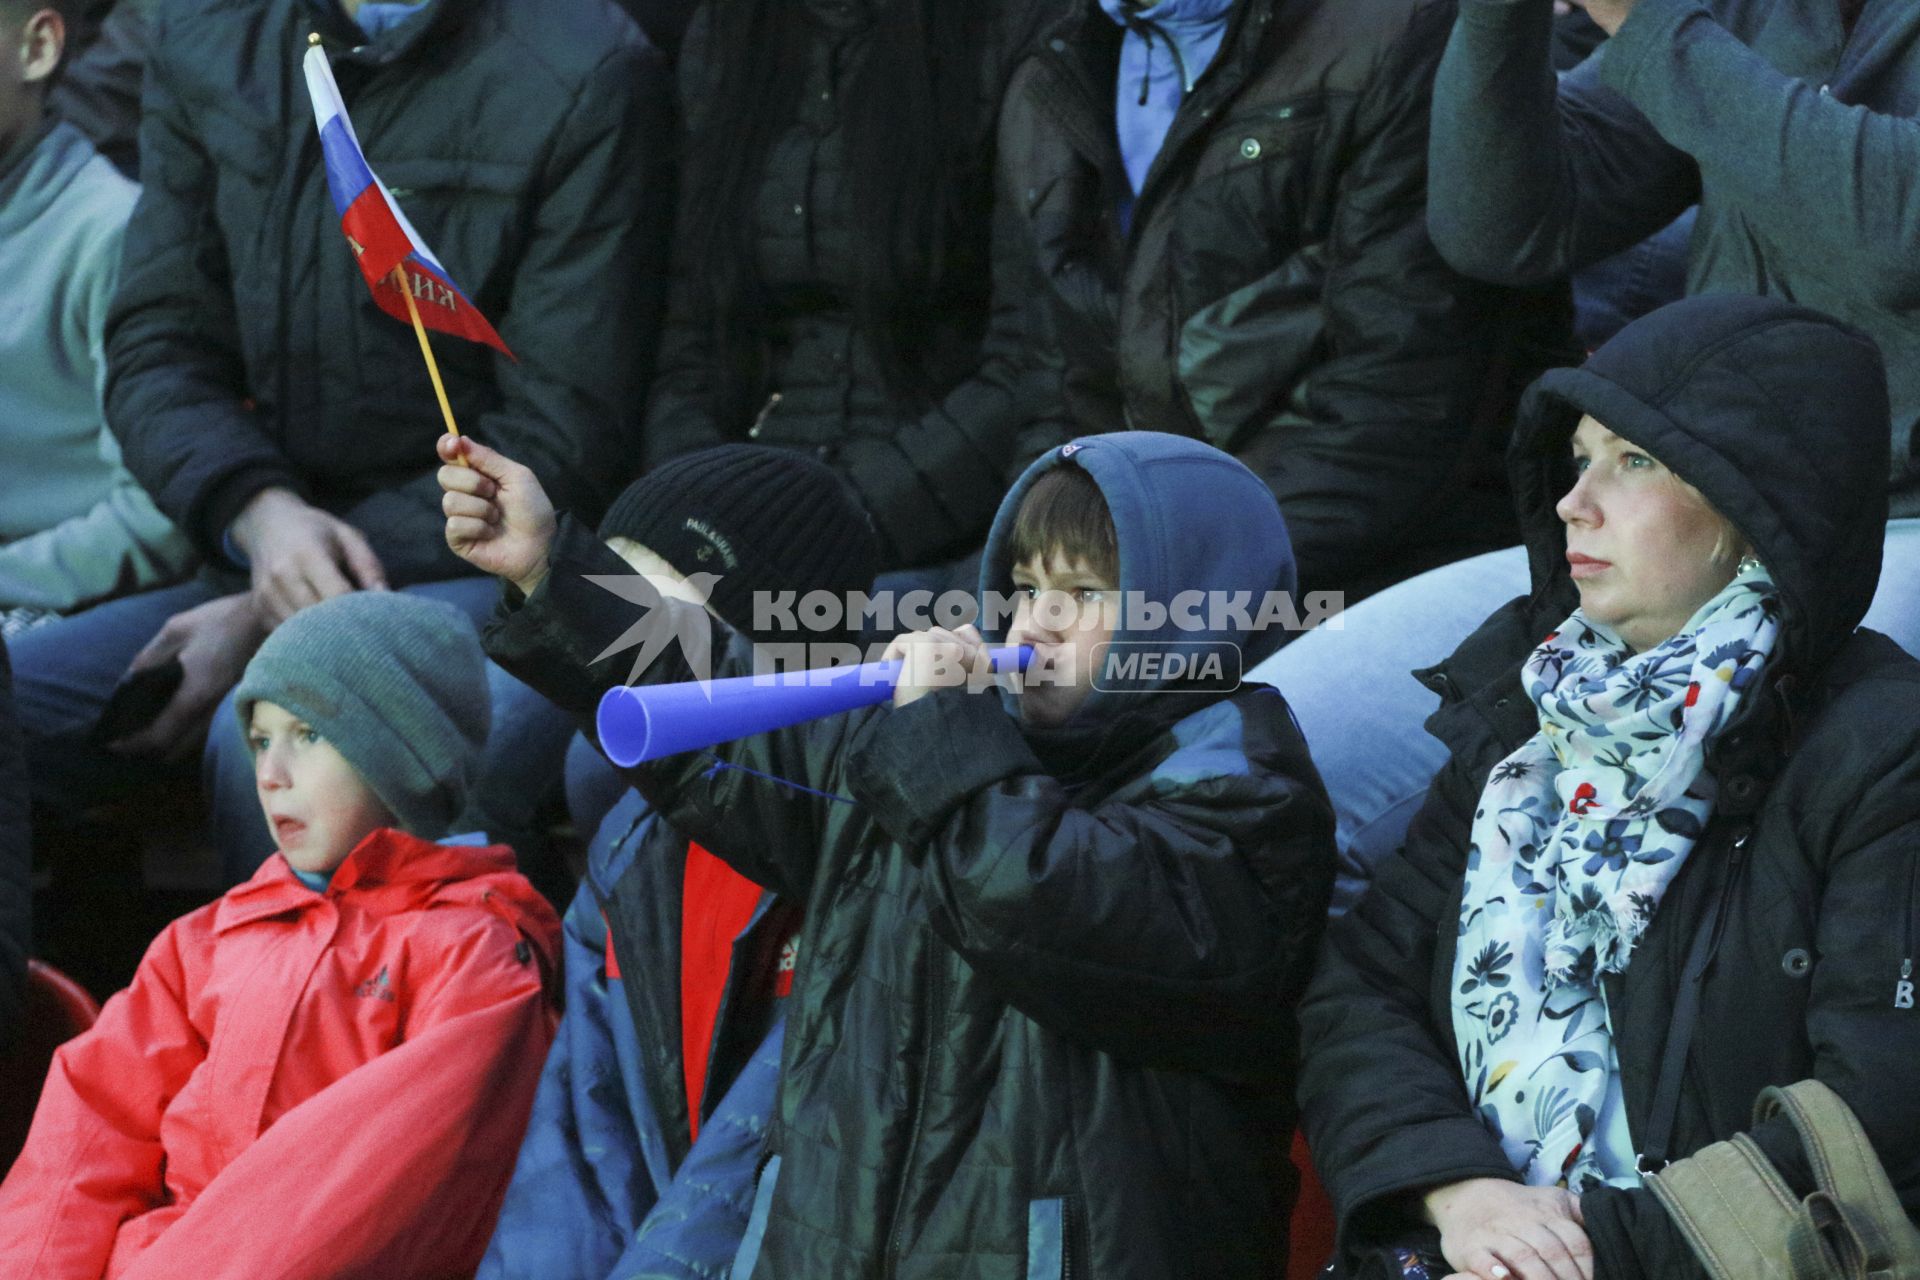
{"points": [[930, 479], [1275, 292], [526, 143]]}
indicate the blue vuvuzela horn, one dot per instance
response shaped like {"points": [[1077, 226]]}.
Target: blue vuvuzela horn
{"points": [[646, 722]]}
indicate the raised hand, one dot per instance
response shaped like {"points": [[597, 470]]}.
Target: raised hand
{"points": [[499, 519]]}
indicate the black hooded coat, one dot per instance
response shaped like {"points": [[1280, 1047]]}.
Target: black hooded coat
{"points": [[1778, 416]]}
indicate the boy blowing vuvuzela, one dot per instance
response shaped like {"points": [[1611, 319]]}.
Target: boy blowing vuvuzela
{"points": [[1043, 1018]]}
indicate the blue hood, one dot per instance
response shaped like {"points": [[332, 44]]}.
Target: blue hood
{"points": [[1188, 518]]}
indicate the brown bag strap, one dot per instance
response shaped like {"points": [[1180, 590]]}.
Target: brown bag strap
{"points": [[1744, 1223], [1732, 1207], [1823, 1241], [1854, 1225]]}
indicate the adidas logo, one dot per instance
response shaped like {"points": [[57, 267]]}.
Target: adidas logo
{"points": [[376, 988]]}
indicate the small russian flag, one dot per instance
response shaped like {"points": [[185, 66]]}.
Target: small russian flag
{"points": [[378, 231]]}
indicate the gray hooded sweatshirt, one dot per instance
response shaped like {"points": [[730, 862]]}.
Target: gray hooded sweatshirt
{"points": [[1796, 137]]}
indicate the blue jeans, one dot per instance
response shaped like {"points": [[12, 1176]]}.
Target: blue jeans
{"points": [[1349, 685], [1614, 292], [64, 672], [1362, 712]]}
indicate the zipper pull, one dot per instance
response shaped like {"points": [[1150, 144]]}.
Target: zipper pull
{"points": [[1903, 989], [766, 410]]}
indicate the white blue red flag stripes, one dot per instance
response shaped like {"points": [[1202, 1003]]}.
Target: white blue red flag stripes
{"points": [[378, 231]]}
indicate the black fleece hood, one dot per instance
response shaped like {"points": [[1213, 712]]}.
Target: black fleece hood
{"points": [[1777, 414]]}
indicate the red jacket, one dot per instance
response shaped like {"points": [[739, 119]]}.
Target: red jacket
{"points": [[300, 1084]]}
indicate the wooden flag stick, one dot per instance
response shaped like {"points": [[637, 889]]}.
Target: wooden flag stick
{"points": [[426, 349]]}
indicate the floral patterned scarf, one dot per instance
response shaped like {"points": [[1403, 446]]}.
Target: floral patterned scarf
{"points": [[1576, 838]]}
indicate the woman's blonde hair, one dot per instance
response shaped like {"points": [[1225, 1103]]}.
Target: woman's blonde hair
{"points": [[1730, 546]]}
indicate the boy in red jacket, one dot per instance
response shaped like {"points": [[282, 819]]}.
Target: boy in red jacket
{"points": [[326, 1072]]}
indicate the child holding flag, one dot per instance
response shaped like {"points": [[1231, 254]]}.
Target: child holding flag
{"points": [[1042, 1022], [640, 1157]]}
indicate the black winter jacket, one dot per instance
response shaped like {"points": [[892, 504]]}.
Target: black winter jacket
{"points": [[1813, 848], [526, 143], [930, 480], [1275, 293], [1041, 1023]]}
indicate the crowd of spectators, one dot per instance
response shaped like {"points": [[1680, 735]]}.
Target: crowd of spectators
{"points": [[1561, 360]]}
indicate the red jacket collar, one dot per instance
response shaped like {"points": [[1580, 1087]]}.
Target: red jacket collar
{"points": [[414, 872]]}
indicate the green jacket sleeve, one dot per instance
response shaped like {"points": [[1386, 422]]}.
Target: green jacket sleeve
{"points": [[1534, 178], [1838, 178]]}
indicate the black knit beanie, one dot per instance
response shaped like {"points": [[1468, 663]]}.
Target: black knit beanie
{"points": [[763, 519]]}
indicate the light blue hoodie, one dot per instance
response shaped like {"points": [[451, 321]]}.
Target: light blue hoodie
{"points": [[75, 527], [1168, 46]]}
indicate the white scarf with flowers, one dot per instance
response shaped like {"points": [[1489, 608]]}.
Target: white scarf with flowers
{"points": [[1576, 838]]}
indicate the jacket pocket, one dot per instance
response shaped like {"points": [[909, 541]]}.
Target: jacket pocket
{"points": [[749, 1253], [1239, 355], [1255, 137]]}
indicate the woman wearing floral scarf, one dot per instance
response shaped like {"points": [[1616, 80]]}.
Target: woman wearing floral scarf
{"points": [[1681, 779]]}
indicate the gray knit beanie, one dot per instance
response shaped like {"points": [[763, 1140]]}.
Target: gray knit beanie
{"points": [[396, 683]]}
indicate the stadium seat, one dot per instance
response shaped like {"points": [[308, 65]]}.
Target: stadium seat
{"points": [[57, 1009]]}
